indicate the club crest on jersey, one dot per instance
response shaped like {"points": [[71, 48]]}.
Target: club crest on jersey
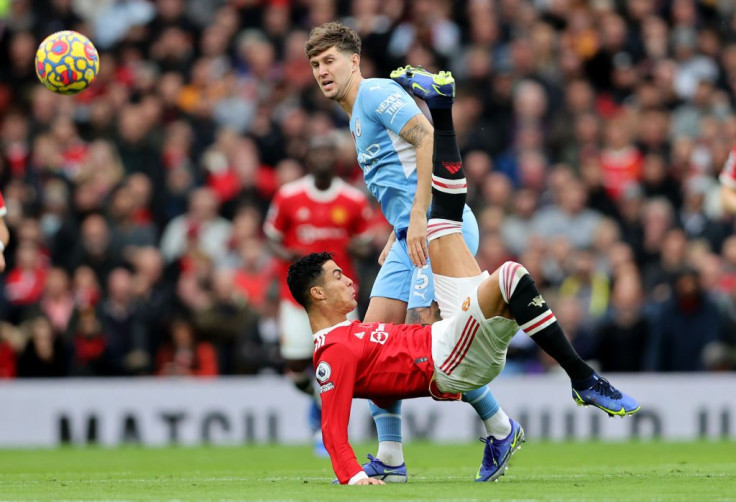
{"points": [[466, 304], [358, 128], [536, 302], [339, 215], [323, 372]]}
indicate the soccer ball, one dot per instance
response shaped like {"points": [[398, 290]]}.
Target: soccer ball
{"points": [[67, 62]]}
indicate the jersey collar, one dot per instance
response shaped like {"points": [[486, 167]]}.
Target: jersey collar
{"points": [[322, 195], [323, 332]]}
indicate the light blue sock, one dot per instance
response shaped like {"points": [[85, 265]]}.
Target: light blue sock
{"points": [[388, 421], [483, 401], [494, 419]]}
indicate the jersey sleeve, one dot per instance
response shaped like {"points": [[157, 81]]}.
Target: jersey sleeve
{"points": [[335, 373], [276, 219], [728, 173], [389, 104], [3, 209]]}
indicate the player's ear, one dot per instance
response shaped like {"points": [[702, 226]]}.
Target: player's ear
{"points": [[316, 293], [355, 61]]}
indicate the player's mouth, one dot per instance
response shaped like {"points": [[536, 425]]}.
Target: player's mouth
{"points": [[328, 85]]}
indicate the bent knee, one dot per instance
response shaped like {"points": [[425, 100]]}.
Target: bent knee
{"points": [[509, 275]]}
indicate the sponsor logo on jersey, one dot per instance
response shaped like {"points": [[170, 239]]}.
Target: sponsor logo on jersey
{"points": [[323, 372], [379, 336], [360, 335], [326, 387], [536, 302], [466, 304], [339, 215], [308, 234], [391, 105]]}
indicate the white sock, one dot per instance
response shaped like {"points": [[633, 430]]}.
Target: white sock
{"points": [[391, 453], [498, 425]]}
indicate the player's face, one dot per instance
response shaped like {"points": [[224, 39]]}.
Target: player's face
{"points": [[339, 291], [333, 71]]}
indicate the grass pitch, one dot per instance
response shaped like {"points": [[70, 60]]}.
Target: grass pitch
{"points": [[540, 471]]}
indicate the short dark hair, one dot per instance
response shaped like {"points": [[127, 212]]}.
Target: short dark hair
{"points": [[304, 273], [332, 34]]}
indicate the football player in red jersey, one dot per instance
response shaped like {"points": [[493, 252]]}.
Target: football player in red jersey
{"points": [[4, 233], [466, 350], [316, 212]]}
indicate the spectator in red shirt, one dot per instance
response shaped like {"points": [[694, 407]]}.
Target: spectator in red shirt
{"points": [[183, 355]]}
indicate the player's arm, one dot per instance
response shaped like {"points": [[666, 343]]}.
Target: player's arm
{"points": [[419, 132], [274, 227], [727, 177], [362, 232], [279, 250], [728, 198], [336, 391]]}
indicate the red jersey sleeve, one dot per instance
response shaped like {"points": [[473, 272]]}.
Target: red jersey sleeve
{"points": [[335, 373], [276, 219], [3, 209], [728, 173]]}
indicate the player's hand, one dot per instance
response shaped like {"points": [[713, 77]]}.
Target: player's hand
{"points": [[384, 254], [369, 481], [416, 239]]}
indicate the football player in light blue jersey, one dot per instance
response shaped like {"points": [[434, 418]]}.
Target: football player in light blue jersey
{"points": [[394, 143]]}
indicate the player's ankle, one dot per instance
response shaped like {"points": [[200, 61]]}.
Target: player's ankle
{"points": [[391, 453]]}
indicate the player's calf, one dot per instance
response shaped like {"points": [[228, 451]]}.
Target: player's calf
{"points": [[536, 319]]}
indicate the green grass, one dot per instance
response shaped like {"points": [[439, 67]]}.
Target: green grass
{"points": [[540, 471]]}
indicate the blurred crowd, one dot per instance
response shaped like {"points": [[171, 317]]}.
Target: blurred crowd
{"points": [[593, 133]]}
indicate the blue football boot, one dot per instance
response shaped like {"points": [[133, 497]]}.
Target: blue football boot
{"points": [[608, 398], [497, 453], [390, 474], [437, 89]]}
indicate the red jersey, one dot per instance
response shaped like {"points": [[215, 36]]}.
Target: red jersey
{"points": [[3, 209], [307, 220], [728, 173], [620, 168], [377, 361]]}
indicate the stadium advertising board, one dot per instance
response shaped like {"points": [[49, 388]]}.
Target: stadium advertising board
{"points": [[267, 409]]}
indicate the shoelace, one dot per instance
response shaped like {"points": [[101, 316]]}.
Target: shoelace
{"points": [[489, 441], [605, 388]]}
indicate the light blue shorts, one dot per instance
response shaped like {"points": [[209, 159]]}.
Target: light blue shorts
{"points": [[400, 280]]}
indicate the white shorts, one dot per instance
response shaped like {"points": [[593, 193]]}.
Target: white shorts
{"points": [[469, 350], [297, 341]]}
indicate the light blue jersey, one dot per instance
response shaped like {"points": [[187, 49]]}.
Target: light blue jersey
{"points": [[389, 163]]}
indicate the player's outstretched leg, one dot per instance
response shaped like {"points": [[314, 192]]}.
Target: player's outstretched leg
{"points": [[449, 190], [537, 320]]}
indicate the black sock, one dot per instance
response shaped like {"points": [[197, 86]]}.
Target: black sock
{"points": [[529, 308], [449, 189], [442, 119]]}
